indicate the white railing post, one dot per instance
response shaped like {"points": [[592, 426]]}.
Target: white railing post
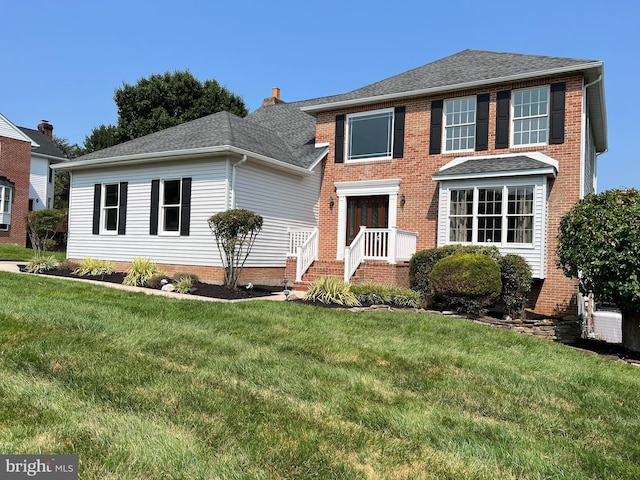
{"points": [[305, 245], [299, 272], [393, 241]]}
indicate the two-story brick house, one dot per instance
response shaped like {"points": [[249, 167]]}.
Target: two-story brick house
{"points": [[478, 147]]}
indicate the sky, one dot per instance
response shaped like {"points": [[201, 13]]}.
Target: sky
{"points": [[62, 60]]}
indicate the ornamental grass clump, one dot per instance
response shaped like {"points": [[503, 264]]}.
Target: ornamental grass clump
{"points": [[467, 283], [42, 263], [141, 270], [93, 267], [332, 290], [378, 294], [184, 283]]}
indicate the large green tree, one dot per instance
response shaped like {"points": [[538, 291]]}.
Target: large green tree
{"points": [[162, 101], [599, 243]]}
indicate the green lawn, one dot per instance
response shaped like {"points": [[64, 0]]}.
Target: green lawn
{"points": [[20, 254], [145, 387]]}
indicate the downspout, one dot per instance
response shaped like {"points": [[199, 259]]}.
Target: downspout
{"points": [[233, 180]]}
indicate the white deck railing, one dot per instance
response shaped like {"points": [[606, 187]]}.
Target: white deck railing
{"points": [[388, 244], [298, 237], [306, 251]]}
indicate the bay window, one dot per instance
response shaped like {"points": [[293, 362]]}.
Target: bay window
{"points": [[6, 193]]}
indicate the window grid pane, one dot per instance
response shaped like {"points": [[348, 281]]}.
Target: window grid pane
{"points": [[520, 215], [530, 121], [460, 129], [171, 205], [461, 216], [370, 136], [489, 215], [110, 209]]}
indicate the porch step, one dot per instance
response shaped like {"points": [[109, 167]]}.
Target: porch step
{"points": [[369, 271]]}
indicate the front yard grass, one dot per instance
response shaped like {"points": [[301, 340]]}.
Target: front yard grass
{"points": [[145, 387], [15, 253]]}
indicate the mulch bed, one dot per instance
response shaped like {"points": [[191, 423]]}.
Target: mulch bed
{"points": [[201, 289]]}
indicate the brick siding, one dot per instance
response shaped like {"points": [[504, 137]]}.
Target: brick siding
{"points": [[15, 165]]}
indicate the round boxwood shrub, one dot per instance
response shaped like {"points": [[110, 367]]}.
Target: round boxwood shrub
{"points": [[516, 284], [422, 263], [466, 282]]}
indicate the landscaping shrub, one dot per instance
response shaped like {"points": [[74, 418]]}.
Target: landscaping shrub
{"points": [[516, 279], [155, 281], [68, 265], [374, 293], [331, 290], [142, 269], [466, 282], [42, 263], [422, 263], [194, 277], [184, 283], [94, 267]]}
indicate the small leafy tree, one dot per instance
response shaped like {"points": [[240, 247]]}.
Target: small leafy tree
{"points": [[599, 244], [235, 231], [42, 226]]}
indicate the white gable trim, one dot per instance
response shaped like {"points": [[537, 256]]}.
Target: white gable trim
{"points": [[9, 130]]}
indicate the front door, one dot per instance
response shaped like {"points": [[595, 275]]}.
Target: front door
{"points": [[372, 212]]}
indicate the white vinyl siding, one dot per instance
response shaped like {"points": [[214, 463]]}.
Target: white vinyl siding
{"points": [[284, 200], [589, 180], [534, 252], [39, 182]]}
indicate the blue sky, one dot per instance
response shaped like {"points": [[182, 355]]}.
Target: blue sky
{"points": [[62, 60]]}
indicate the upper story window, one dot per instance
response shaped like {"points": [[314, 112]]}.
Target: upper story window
{"points": [[110, 207], [500, 215], [370, 135], [460, 124], [530, 116], [5, 206]]}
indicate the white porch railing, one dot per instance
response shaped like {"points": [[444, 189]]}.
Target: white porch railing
{"points": [[388, 244], [305, 243]]}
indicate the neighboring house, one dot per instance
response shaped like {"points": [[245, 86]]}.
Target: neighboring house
{"points": [[476, 148], [44, 154], [15, 159]]}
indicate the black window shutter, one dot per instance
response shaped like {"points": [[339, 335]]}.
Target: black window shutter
{"points": [[97, 192], [155, 201], [398, 132], [435, 139], [185, 210], [482, 122], [502, 118], [339, 146], [122, 209], [556, 120]]}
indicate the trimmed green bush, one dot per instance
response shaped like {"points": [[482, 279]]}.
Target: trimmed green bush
{"points": [[332, 290], [516, 279], [422, 263], [142, 269], [466, 282]]}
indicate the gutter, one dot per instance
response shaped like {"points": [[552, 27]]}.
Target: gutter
{"points": [[448, 88]]}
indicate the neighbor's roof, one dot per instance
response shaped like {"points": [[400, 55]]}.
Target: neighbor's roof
{"points": [[45, 146], [506, 165]]}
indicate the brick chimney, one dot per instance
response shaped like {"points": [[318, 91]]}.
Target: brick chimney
{"points": [[46, 129], [274, 98]]}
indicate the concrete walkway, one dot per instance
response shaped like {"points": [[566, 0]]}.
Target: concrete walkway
{"points": [[7, 266]]}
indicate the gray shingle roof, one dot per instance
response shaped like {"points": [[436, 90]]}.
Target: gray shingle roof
{"points": [[493, 165], [468, 66], [47, 147]]}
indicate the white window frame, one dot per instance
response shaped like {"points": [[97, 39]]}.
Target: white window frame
{"points": [[359, 116], [104, 208], [504, 215], [451, 103], [529, 117], [5, 207], [162, 208]]}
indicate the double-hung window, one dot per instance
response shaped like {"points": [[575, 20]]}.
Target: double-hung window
{"points": [[370, 135], [170, 203], [530, 116], [460, 124], [501, 215], [5, 207], [110, 208]]}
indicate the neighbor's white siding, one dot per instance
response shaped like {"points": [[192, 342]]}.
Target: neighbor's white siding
{"points": [[283, 200], [535, 255], [39, 182], [208, 191], [589, 180]]}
